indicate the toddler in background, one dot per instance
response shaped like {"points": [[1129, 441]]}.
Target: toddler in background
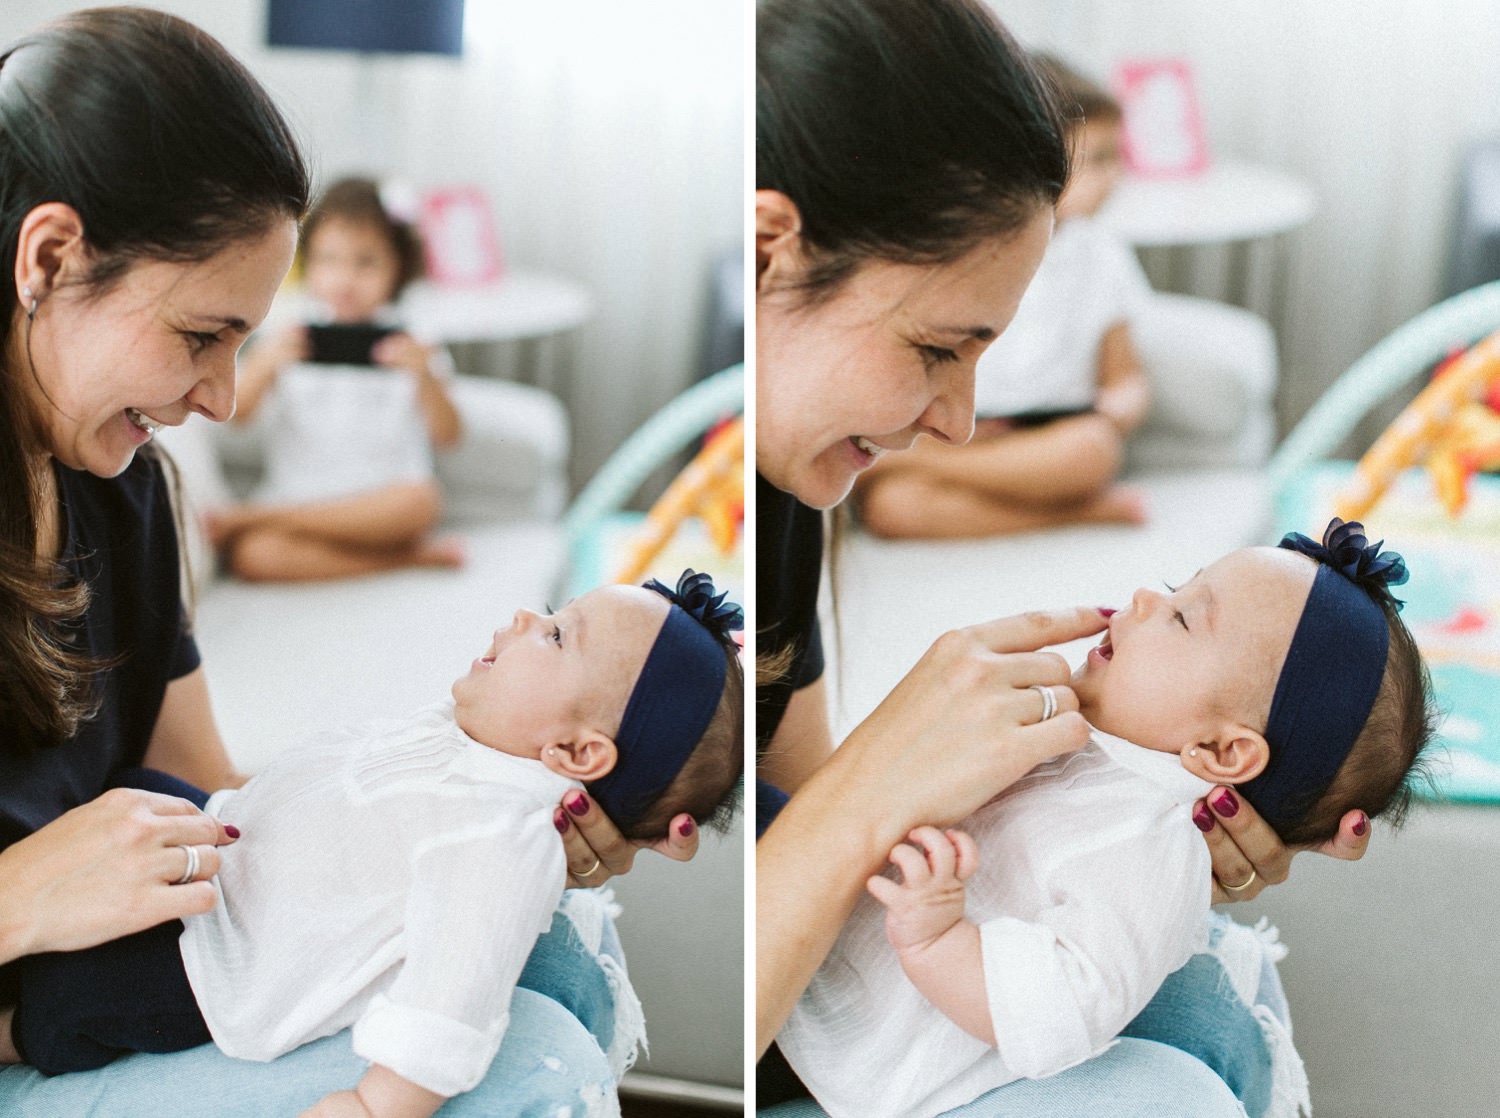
{"points": [[1025, 940], [395, 879], [350, 487], [1058, 393]]}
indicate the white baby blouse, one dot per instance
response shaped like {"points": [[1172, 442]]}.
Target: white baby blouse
{"points": [[1048, 358], [1092, 887], [394, 880]]}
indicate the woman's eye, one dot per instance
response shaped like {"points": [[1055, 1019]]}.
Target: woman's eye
{"points": [[199, 340], [936, 355]]}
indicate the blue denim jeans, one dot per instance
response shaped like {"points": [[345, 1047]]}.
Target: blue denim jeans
{"points": [[1205, 1047], [553, 1059]]}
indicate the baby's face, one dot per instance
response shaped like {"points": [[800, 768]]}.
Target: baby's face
{"points": [[548, 678], [1175, 667], [352, 268]]}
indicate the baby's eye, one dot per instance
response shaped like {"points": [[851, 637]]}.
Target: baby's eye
{"points": [[557, 635], [1180, 619]]}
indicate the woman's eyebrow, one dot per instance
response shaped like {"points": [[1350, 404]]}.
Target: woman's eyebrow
{"points": [[982, 333]]}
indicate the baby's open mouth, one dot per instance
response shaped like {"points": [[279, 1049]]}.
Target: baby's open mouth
{"points": [[1106, 648]]}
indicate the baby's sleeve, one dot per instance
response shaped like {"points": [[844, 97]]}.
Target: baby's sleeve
{"points": [[479, 901], [1063, 984]]}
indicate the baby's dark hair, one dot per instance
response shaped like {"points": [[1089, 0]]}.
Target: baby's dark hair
{"points": [[1080, 98], [708, 785], [357, 201], [1387, 762]]}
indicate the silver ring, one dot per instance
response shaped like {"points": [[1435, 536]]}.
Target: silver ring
{"points": [[1242, 886], [1049, 700], [192, 865], [588, 872]]}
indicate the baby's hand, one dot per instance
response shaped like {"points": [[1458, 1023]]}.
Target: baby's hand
{"points": [[930, 896]]}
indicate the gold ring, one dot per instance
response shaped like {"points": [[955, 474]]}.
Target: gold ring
{"points": [[1242, 886], [588, 872]]}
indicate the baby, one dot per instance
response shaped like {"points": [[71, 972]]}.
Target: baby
{"points": [[1285, 671], [396, 881]]}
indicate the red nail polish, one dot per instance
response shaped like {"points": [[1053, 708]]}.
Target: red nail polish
{"points": [[1225, 804], [560, 821], [1362, 824], [1106, 613], [685, 828], [1203, 819], [234, 832], [578, 805]]}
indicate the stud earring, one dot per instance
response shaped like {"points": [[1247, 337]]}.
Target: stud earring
{"points": [[1192, 753], [31, 310]]}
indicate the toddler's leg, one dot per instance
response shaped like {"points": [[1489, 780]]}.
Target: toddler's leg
{"points": [[79, 1010]]}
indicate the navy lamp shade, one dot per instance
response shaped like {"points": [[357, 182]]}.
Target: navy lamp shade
{"points": [[369, 26]]}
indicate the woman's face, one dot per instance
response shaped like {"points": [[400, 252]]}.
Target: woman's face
{"points": [[157, 346], [352, 267], [887, 357]]}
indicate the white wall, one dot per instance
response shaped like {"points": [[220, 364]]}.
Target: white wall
{"points": [[609, 135], [1371, 101]]}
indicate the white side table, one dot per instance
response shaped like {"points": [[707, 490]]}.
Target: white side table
{"points": [[1244, 206]]}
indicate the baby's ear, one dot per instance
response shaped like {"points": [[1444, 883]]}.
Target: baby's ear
{"points": [[1238, 755], [590, 757]]}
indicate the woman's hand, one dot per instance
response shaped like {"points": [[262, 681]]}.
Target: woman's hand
{"points": [[1248, 855], [597, 851], [106, 869]]}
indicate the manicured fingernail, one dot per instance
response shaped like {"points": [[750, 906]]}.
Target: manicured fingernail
{"points": [[1225, 804], [1106, 613], [578, 803], [560, 821], [1203, 819], [234, 832], [1362, 824], [685, 828]]}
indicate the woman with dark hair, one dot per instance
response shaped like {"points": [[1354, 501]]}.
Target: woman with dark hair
{"points": [[149, 199], [908, 158]]}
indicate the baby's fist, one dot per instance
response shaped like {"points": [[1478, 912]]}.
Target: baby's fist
{"points": [[929, 899]]}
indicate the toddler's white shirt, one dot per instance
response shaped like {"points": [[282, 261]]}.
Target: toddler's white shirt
{"points": [[395, 880], [1092, 887], [1048, 358]]}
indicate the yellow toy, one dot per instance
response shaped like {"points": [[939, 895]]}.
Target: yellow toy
{"points": [[711, 486], [1448, 427]]}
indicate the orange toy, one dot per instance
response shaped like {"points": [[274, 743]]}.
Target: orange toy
{"points": [[711, 486]]}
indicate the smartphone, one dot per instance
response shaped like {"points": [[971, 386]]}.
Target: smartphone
{"points": [[345, 344]]}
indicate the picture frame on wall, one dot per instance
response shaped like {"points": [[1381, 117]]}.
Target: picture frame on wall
{"points": [[459, 239], [1162, 134]]}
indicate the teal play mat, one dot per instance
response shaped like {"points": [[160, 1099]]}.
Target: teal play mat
{"points": [[1452, 606]]}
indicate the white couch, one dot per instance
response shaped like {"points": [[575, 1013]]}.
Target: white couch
{"points": [[283, 660]]}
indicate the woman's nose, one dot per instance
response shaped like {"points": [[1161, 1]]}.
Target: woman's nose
{"points": [[213, 396], [950, 415]]}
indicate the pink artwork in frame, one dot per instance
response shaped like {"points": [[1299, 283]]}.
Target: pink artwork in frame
{"points": [[1163, 130], [459, 238]]}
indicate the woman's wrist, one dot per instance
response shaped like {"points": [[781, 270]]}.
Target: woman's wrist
{"points": [[17, 934]]}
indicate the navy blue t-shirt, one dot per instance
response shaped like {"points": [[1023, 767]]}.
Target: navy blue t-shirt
{"points": [[119, 537]]}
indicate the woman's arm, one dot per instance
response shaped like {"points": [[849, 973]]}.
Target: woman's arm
{"points": [[959, 728], [803, 741], [186, 740]]}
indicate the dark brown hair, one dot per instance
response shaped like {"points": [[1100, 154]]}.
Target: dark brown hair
{"points": [[358, 201], [708, 785], [168, 150], [1387, 762], [902, 131]]}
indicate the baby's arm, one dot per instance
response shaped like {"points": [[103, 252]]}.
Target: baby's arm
{"points": [[1123, 395], [924, 920], [380, 1094]]}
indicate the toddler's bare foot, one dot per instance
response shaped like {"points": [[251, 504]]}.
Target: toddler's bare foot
{"points": [[1119, 504], [449, 552], [9, 1054]]}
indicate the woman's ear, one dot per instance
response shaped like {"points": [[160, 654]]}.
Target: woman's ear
{"points": [[1239, 754], [50, 245], [778, 230], [590, 757]]}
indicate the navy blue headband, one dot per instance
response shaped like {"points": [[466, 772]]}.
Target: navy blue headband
{"points": [[1332, 671], [673, 700]]}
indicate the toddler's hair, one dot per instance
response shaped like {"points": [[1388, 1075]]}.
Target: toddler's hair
{"points": [[1387, 761], [1081, 99], [358, 201], [708, 785]]}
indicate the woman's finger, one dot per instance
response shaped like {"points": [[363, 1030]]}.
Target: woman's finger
{"points": [[681, 841], [1026, 632], [1352, 839], [1257, 843], [187, 823], [189, 862]]}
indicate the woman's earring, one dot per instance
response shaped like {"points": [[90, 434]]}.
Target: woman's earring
{"points": [[31, 310]]}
